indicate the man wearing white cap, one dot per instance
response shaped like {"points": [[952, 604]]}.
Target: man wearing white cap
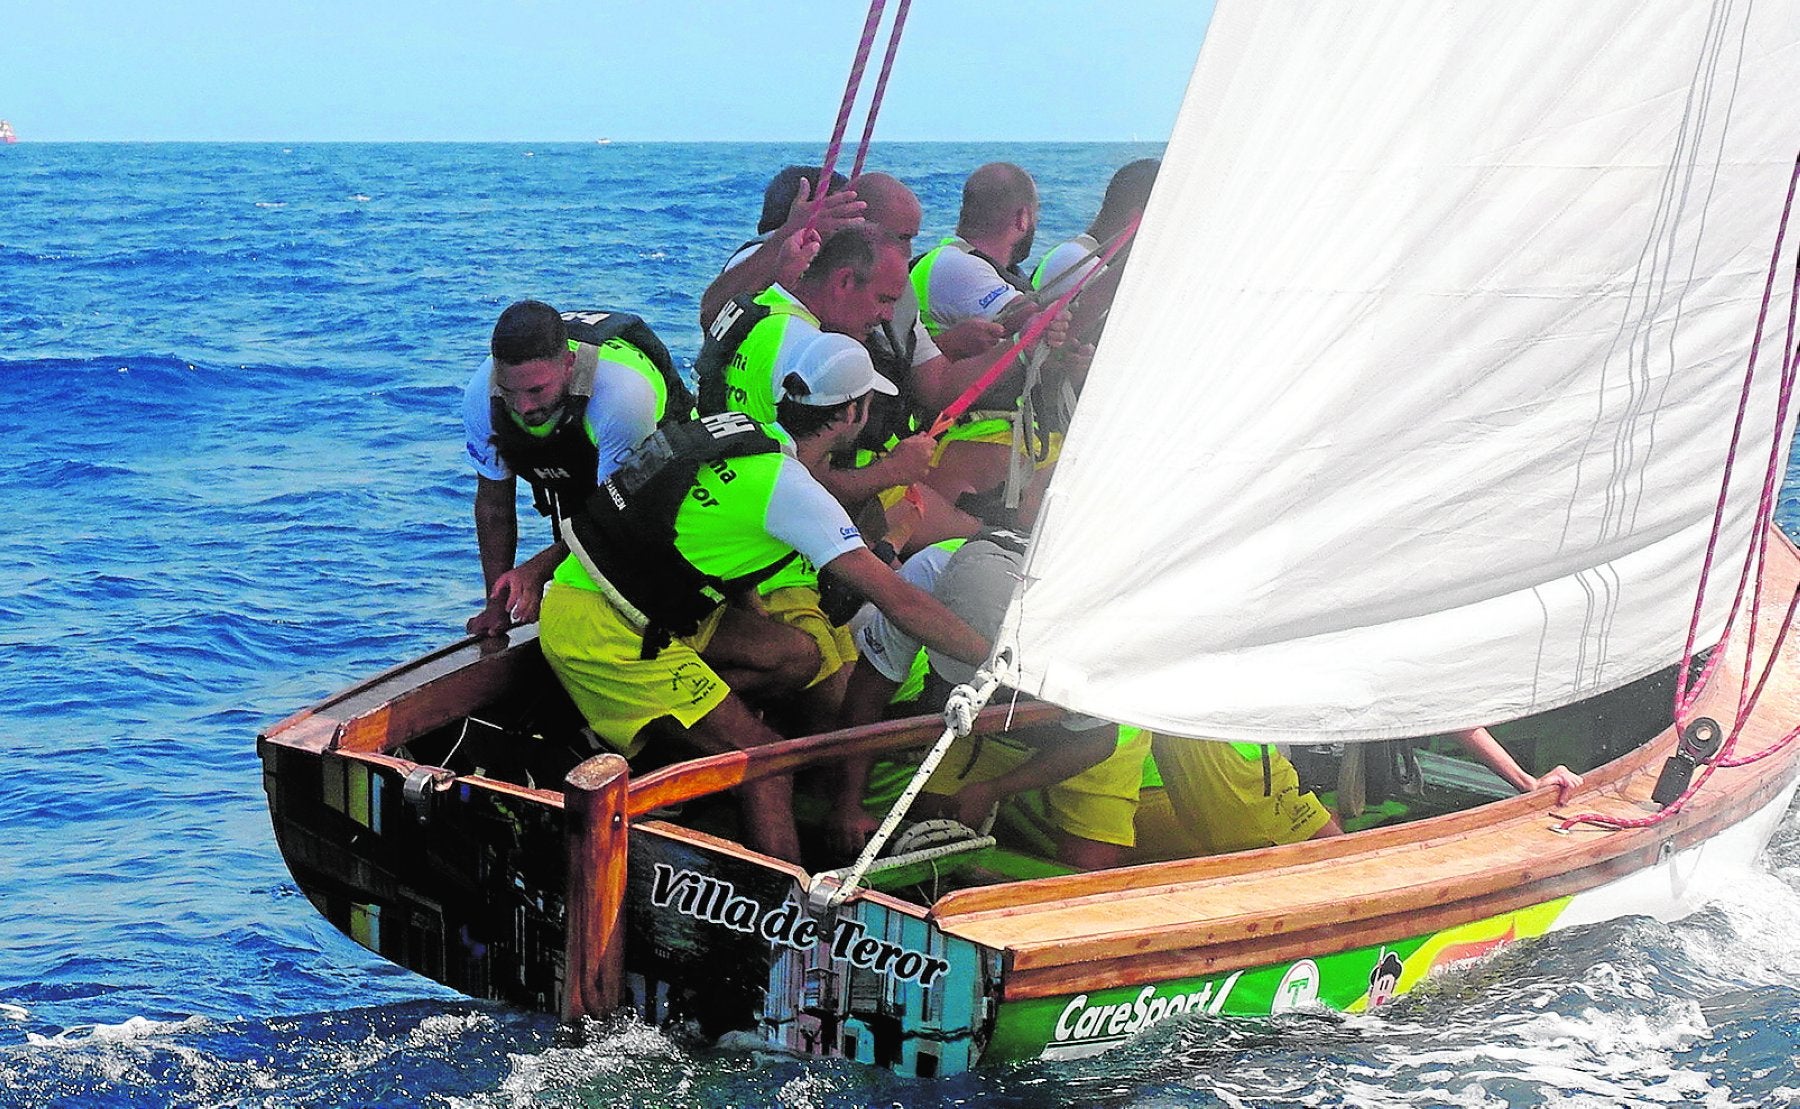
{"points": [[667, 558]]}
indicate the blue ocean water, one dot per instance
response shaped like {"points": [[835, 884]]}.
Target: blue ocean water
{"points": [[234, 482]]}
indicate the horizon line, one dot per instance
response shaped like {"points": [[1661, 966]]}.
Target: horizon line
{"points": [[552, 142]]}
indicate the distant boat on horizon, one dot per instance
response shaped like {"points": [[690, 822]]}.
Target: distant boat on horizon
{"points": [[6, 132]]}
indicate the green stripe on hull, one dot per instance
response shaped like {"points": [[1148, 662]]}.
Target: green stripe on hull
{"points": [[1349, 981]]}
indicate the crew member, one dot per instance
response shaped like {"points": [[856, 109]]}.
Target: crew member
{"points": [[694, 520], [560, 400], [1068, 262], [780, 253], [1088, 778], [748, 356], [975, 275]]}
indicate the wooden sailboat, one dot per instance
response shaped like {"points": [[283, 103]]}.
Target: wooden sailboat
{"points": [[1438, 400]]}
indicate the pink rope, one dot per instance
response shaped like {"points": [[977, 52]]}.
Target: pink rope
{"points": [[887, 67], [1686, 694], [1751, 688], [870, 26], [1033, 331]]}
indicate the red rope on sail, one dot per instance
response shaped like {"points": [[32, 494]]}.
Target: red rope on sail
{"points": [[1031, 334], [887, 67], [870, 26], [1688, 689]]}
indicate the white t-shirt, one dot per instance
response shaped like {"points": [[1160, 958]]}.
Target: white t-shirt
{"points": [[965, 287], [889, 650], [621, 413], [1063, 258], [806, 517], [743, 253]]}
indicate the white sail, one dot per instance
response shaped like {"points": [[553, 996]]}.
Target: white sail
{"points": [[1412, 410]]}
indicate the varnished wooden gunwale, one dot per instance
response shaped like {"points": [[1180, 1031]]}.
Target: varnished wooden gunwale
{"points": [[697, 778], [406, 701]]}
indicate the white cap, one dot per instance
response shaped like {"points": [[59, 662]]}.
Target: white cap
{"points": [[831, 369]]}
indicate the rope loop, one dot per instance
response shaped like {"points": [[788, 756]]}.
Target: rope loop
{"points": [[967, 700]]}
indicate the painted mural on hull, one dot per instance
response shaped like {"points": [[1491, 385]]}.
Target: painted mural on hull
{"points": [[1351, 981], [466, 886], [730, 945], [462, 884]]}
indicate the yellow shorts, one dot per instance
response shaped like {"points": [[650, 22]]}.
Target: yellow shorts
{"points": [[1100, 803], [595, 653], [798, 607], [1218, 799], [992, 427]]}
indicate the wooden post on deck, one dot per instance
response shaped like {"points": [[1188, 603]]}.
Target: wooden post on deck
{"points": [[594, 805]]}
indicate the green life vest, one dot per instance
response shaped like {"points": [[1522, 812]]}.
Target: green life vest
{"points": [[926, 262]]}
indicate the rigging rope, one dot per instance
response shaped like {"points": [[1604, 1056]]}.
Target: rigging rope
{"points": [[871, 26], [965, 703], [887, 67], [1031, 334], [1688, 688]]}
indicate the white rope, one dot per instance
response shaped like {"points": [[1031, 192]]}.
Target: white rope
{"points": [[638, 621], [965, 704]]}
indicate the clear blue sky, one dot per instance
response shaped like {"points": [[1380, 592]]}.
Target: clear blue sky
{"points": [[577, 70]]}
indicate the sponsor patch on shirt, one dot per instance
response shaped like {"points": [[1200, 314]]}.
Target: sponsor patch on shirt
{"points": [[849, 533], [991, 297]]}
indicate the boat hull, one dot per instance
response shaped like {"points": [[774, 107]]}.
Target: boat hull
{"points": [[1074, 1026], [518, 893]]}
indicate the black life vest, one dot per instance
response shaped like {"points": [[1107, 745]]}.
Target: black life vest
{"points": [[1009, 271], [724, 336], [560, 466], [624, 534], [890, 417], [597, 327]]}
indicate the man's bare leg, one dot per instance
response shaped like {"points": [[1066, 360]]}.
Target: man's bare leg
{"points": [[760, 657], [767, 803]]}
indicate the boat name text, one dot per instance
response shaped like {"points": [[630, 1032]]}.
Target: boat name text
{"points": [[718, 902]]}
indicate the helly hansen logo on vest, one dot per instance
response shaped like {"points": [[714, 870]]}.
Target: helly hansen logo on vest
{"points": [[722, 322], [718, 902], [592, 319], [728, 423]]}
